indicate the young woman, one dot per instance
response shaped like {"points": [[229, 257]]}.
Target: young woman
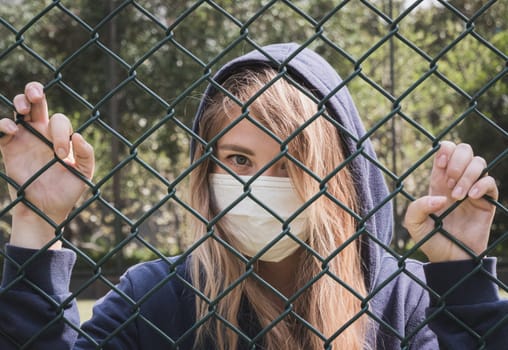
{"points": [[291, 224]]}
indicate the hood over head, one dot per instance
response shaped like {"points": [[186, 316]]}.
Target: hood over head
{"points": [[316, 74]]}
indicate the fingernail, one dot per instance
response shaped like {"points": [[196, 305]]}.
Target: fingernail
{"points": [[11, 128], [34, 92], [473, 192], [451, 183], [436, 202], [441, 161], [24, 106], [458, 192], [61, 153]]}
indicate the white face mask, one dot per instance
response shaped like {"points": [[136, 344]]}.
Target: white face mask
{"points": [[253, 226]]}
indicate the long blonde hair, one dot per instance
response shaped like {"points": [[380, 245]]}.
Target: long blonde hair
{"points": [[332, 311]]}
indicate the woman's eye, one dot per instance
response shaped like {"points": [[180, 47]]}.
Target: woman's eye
{"points": [[240, 160]]}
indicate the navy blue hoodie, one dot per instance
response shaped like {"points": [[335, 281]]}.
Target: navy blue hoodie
{"points": [[153, 305]]}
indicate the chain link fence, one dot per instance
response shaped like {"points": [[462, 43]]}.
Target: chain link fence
{"points": [[129, 74]]}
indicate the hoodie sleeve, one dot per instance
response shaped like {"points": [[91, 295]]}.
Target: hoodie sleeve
{"points": [[112, 325], [466, 311], [37, 311]]}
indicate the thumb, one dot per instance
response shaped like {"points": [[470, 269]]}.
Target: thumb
{"points": [[83, 155], [417, 214]]}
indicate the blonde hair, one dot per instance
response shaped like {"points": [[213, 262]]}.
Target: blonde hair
{"points": [[332, 310]]}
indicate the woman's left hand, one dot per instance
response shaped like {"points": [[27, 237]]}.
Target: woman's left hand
{"points": [[456, 175]]}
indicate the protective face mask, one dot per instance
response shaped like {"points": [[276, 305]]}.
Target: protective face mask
{"points": [[253, 226]]}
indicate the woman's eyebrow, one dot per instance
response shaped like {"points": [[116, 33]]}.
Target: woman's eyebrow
{"points": [[235, 148]]}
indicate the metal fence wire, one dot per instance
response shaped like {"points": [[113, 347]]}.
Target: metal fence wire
{"points": [[154, 61]]}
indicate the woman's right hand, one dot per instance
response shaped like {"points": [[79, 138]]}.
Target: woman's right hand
{"points": [[56, 190]]}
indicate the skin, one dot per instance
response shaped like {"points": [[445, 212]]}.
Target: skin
{"points": [[455, 176], [23, 154], [245, 149]]}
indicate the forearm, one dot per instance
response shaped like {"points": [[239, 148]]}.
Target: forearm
{"points": [[29, 230]]}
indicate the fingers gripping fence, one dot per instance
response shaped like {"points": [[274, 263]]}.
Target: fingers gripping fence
{"points": [[129, 75]]}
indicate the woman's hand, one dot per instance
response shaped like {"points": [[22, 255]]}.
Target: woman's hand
{"points": [[56, 190], [456, 175]]}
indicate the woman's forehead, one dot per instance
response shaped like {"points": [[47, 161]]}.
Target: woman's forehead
{"points": [[247, 135]]}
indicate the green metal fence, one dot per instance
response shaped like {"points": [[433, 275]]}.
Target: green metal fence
{"points": [[178, 47]]}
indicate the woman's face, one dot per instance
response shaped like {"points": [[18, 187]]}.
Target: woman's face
{"points": [[245, 149]]}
